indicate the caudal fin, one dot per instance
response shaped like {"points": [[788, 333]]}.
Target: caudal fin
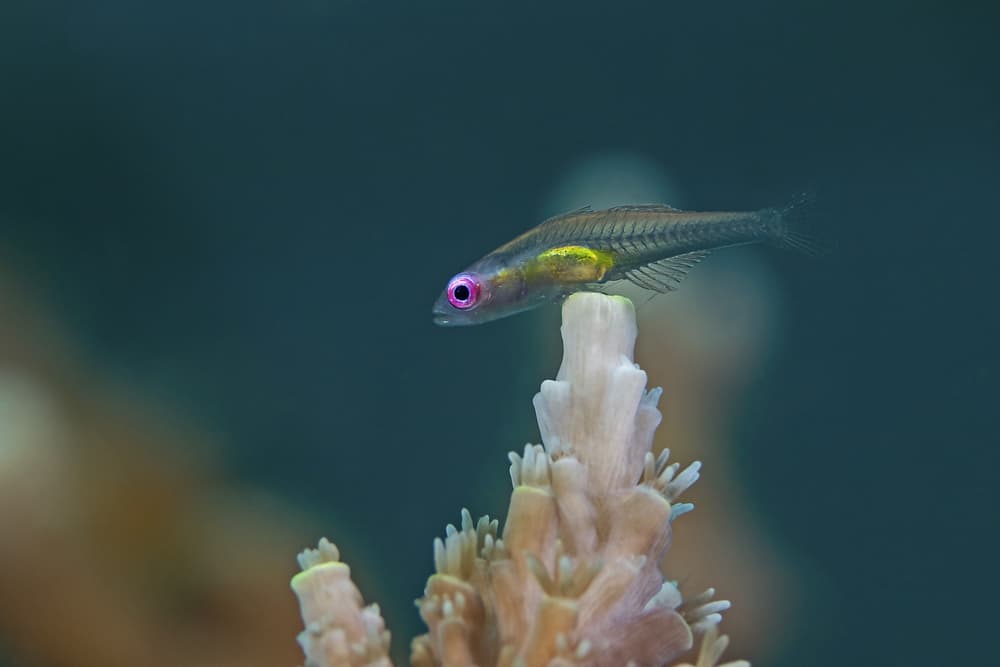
{"points": [[794, 226]]}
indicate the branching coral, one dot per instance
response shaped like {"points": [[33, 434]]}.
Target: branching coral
{"points": [[575, 578]]}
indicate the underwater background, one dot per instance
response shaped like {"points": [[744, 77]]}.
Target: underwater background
{"points": [[222, 226]]}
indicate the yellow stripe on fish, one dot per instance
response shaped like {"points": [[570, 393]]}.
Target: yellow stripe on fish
{"points": [[571, 264]]}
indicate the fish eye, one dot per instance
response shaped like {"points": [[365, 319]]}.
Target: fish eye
{"points": [[463, 291]]}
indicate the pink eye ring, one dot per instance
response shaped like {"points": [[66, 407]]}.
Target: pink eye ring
{"points": [[463, 291]]}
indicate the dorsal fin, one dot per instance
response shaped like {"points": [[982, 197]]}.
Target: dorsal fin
{"points": [[652, 208], [665, 275]]}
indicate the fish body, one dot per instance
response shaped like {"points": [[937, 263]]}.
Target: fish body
{"points": [[651, 245]]}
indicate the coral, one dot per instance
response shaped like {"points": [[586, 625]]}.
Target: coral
{"points": [[575, 579]]}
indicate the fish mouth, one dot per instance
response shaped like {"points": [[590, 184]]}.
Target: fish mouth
{"points": [[442, 315]]}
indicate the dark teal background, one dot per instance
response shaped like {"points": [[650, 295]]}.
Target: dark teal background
{"points": [[247, 209]]}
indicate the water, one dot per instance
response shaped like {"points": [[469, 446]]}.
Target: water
{"points": [[242, 213]]}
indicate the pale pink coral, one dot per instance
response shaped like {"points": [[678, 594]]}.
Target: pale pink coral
{"points": [[575, 577], [338, 630]]}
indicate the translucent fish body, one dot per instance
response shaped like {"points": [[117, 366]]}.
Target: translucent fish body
{"points": [[652, 246]]}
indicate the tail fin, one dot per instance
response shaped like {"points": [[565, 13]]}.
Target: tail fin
{"points": [[793, 226]]}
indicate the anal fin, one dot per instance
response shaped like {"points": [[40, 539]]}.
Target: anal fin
{"points": [[665, 275]]}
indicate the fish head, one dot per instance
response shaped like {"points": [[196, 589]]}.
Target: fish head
{"points": [[461, 299], [487, 290]]}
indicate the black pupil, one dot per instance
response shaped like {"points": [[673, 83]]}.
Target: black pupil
{"points": [[462, 292]]}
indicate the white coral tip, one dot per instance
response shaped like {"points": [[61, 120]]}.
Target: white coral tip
{"points": [[440, 563], [325, 552], [683, 481], [680, 509]]}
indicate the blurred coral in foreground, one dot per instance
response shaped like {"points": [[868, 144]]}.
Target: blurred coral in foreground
{"points": [[575, 578], [122, 543]]}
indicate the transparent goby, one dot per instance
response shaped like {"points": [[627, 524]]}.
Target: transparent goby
{"points": [[651, 245]]}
